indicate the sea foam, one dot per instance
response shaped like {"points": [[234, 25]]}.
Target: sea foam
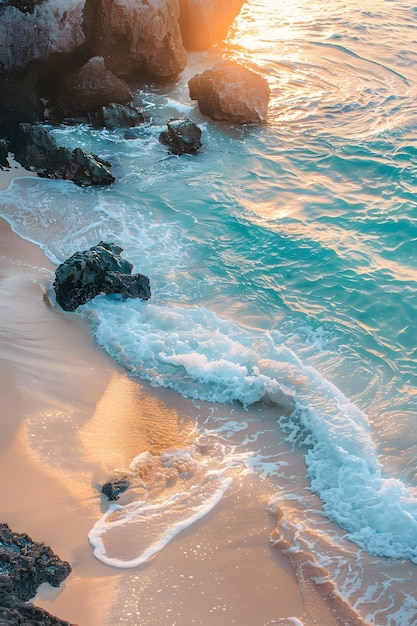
{"points": [[201, 356]]}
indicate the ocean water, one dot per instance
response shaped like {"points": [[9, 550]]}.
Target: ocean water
{"points": [[283, 266]]}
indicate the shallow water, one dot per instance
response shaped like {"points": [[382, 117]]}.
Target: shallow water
{"points": [[283, 267]]}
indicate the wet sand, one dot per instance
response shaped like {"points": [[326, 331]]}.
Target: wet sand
{"points": [[70, 418]]}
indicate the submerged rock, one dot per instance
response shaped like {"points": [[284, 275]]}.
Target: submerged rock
{"points": [[99, 270], [36, 149], [182, 136], [114, 488], [28, 564], [232, 93]]}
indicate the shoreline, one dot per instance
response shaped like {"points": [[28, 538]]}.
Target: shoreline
{"points": [[63, 440]]}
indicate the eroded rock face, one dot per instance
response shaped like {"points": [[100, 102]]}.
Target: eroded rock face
{"points": [[99, 270], [138, 37], [206, 22], [43, 29], [232, 93], [91, 87]]}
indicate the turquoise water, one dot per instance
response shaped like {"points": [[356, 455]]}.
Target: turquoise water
{"points": [[282, 258]]}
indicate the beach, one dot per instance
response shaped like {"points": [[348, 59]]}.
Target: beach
{"points": [[71, 418]]}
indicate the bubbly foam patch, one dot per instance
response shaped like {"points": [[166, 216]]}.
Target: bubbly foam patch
{"points": [[168, 493]]}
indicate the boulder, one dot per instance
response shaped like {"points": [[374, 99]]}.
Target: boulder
{"points": [[232, 93], [85, 170], [36, 149], [91, 87], [99, 270], [182, 136], [114, 488], [28, 564], [206, 22], [117, 116], [138, 37]]}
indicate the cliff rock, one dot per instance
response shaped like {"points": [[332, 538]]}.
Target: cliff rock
{"points": [[52, 27], [206, 22], [138, 37]]}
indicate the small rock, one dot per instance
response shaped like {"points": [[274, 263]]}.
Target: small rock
{"points": [[182, 136], [114, 488]]}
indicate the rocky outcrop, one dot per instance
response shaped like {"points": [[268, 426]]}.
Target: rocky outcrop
{"points": [[91, 87], [99, 270], [52, 27], [42, 41], [206, 22], [14, 612], [182, 136], [28, 564], [231, 92], [24, 565], [36, 149], [138, 37]]}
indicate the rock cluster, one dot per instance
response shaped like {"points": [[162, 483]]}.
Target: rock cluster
{"points": [[99, 270], [49, 47]]}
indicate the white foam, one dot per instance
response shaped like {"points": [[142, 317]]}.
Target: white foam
{"points": [[155, 523]]}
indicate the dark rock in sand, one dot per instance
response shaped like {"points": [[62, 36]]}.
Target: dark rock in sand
{"points": [[15, 612], [28, 564], [99, 270], [36, 149], [117, 116], [182, 136], [232, 93], [114, 488]]}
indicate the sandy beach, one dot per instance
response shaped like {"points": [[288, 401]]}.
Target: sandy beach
{"points": [[70, 418]]}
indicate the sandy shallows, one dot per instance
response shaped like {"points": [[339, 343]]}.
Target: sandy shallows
{"points": [[69, 419]]}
